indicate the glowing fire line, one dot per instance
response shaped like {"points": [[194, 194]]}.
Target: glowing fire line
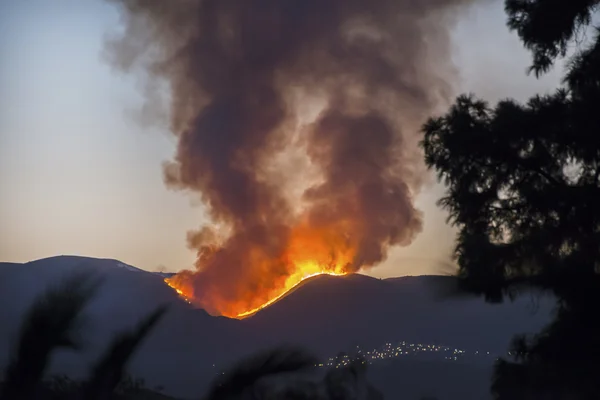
{"points": [[179, 291], [273, 300], [289, 287], [310, 252]]}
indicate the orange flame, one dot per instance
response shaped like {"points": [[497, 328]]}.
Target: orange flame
{"points": [[302, 274], [180, 287], [309, 252]]}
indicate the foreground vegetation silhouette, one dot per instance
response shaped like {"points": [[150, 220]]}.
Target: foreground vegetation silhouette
{"points": [[55, 321], [523, 188]]}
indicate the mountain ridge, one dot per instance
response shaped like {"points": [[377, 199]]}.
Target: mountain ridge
{"points": [[326, 315]]}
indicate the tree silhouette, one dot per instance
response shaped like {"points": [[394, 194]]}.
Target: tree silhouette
{"points": [[524, 181], [548, 27], [523, 188], [241, 379], [53, 322], [110, 370], [278, 374], [561, 362]]}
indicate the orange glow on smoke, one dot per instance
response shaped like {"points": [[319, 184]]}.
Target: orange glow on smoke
{"points": [[309, 252]]}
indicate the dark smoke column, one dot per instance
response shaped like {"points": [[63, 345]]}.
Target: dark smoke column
{"points": [[241, 76]]}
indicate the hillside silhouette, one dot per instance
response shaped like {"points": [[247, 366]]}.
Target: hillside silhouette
{"points": [[325, 315], [54, 322]]}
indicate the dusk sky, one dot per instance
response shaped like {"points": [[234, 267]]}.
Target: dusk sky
{"points": [[79, 175]]}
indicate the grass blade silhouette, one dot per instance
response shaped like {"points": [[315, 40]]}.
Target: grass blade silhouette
{"points": [[51, 323], [109, 371], [247, 372]]}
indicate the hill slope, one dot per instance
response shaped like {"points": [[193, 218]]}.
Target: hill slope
{"points": [[327, 314], [187, 341], [332, 311]]}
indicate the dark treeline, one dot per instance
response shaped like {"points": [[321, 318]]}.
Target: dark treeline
{"points": [[523, 187]]}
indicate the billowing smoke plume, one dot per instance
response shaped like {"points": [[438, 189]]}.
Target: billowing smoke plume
{"points": [[297, 124]]}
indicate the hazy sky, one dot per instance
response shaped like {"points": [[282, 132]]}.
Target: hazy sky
{"points": [[79, 176]]}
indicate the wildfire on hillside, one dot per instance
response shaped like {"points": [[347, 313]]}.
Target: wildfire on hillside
{"points": [[296, 125], [309, 252]]}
